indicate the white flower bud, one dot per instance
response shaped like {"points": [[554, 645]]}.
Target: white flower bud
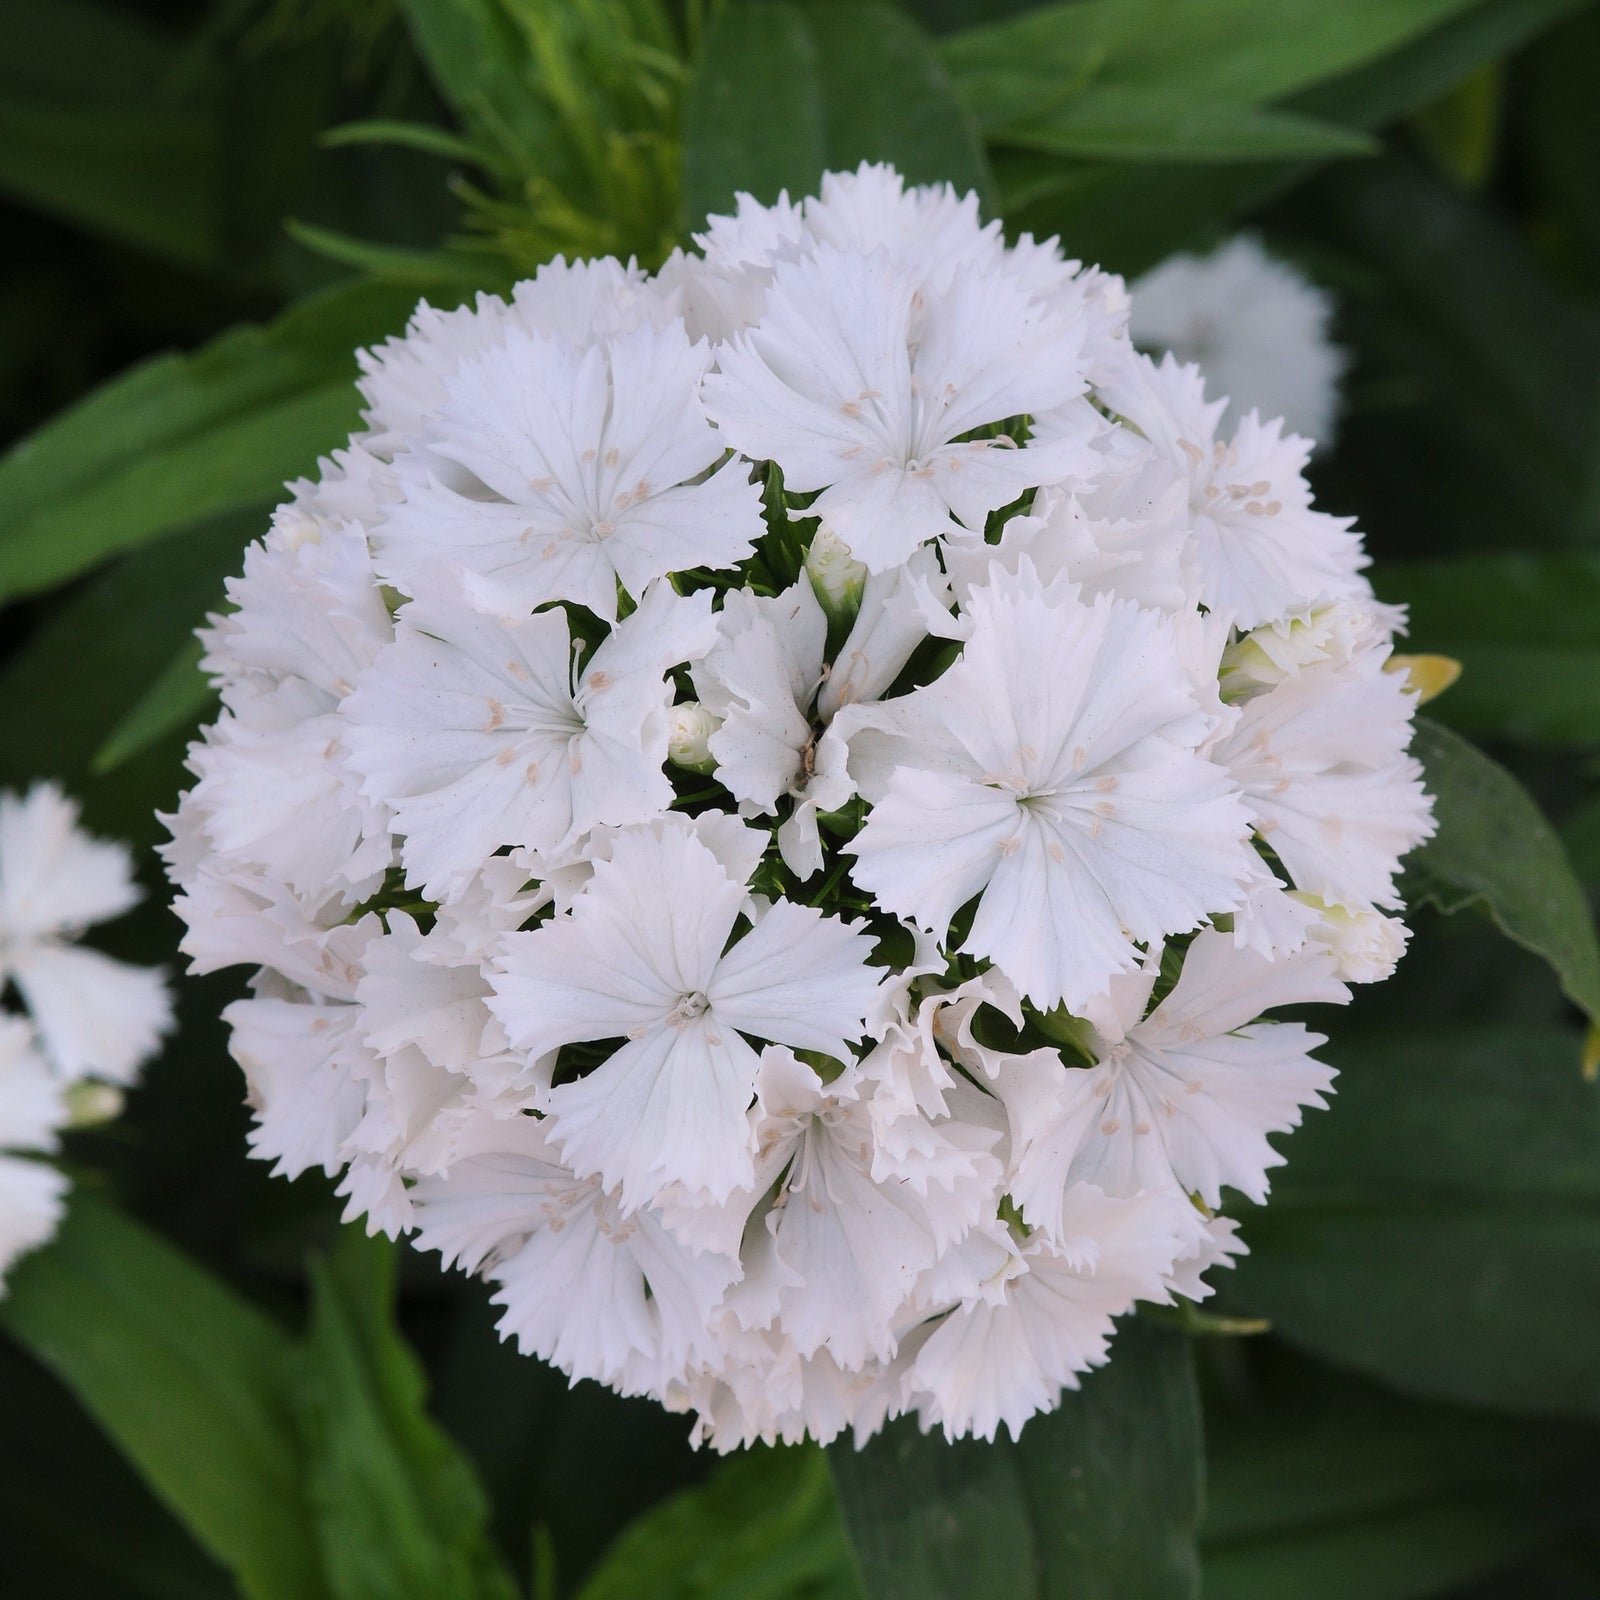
{"points": [[1366, 944], [689, 730], [1332, 634], [836, 576], [89, 1104]]}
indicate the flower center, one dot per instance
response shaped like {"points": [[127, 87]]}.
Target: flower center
{"points": [[688, 1008]]}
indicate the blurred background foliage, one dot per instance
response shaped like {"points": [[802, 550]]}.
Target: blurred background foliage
{"points": [[207, 1391]]}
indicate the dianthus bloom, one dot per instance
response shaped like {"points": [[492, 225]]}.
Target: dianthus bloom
{"points": [[1256, 326], [772, 804], [88, 1022]]}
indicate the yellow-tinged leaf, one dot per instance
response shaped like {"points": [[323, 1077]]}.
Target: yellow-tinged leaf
{"points": [[1591, 1053]]}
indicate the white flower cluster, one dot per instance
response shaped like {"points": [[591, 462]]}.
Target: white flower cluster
{"points": [[87, 1022], [770, 800]]}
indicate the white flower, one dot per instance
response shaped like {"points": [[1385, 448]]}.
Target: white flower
{"points": [[861, 385], [598, 1293], [479, 732], [32, 1111], [1185, 1096], [612, 928], [1003, 1359], [644, 956], [1052, 773], [557, 471], [1321, 761], [96, 1017], [1255, 326], [1257, 551]]}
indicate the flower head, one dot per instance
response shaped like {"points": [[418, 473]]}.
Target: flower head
{"points": [[771, 804]]}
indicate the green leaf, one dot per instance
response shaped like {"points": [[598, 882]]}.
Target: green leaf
{"points": [[177, 699], [785, 91], [147, 176], [398, 1509], [1439, 1228], [181, 438], [89, 668], [1099, 1500], [1115, 124], [765, 1528], [1323, 1487], [753, 112], [453, 272], [1243, 51], [1495, 849], [1130, 217], [1526, 630], [101, 126], [193, 1384]]}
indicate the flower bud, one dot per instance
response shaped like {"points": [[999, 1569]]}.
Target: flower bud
{"points": [[1332, 634], [836, 576], [1366, 944], [89, 1104], [689, 730]]}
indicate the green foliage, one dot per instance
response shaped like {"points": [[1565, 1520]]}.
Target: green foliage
{"points": [[1495, 849], [786, 91], [1438, 1229], [1526, 630], [765, 1528], [307, 1471], [90, 104], [398, 1512], [1098, 1500], [572, 108], [1325, 1488], [194, 1385], [181, 438]]}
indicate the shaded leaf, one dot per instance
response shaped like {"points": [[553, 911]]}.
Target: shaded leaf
{"points": [[1115, 124], [178, 698], [399, 1512], [1323, 1487], [785, 91], [1526, 630], [1098, 1500], [765, 1528], [193, 1384], [1130, 217], [753, 111], [1494, 848], [183, 437], [1439, 1228], [142, 175], [92, 664]]}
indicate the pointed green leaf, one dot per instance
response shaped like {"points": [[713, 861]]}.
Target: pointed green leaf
{"points": [[1439, 1227], [1495, 849], [1324, 1487], [398, 1509], [192, 1383], [175, 700], [181, 438], [765, 1528], [1098, 1500], [785, 91], [1136, 124]]}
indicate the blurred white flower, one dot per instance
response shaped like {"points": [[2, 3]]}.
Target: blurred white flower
{"points": [[89, 1022], [1256, 326]]}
